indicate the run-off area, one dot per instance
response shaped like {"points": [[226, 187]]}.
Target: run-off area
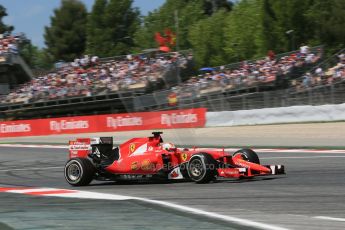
{"points": [[32, 212]]}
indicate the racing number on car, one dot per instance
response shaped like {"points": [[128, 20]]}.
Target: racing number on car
{"points": [[184, 156], [132, 148]]}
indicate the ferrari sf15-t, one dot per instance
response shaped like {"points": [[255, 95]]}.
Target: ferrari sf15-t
{"points": [[151, 158]]}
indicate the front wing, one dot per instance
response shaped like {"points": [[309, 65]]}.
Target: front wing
{"points": [[248, 172]]}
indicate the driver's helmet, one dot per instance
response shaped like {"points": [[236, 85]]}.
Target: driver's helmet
{"points": [[168, 146]]}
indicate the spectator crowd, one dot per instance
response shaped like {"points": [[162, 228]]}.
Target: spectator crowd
{"points": [[89, 76], [9, 43], [250, 73], [322, 75]]}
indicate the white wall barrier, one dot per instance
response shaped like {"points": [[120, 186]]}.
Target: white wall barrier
{"points": [[291, 114]]}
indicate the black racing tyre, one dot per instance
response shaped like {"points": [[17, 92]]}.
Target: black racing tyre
{"points": [[248, 155], [202, 168], [79, 171]]}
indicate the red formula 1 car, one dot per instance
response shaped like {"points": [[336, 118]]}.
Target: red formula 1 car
{"points": [[150, 157]]}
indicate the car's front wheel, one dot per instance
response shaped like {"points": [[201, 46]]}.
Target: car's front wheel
{"points": [[248, 155], [201, 168], [79, 171]]}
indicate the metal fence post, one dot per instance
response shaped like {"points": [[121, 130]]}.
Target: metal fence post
{"points": [[310, 96], [266, 98], [332, 93], [244, 102]]}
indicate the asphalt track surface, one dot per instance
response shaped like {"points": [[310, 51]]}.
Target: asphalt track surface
{"points": [[310, 196], [291, 135]]}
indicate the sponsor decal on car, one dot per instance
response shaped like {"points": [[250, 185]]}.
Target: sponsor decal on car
{"points": [[147, 165], [134, 165], [175, 174], [79, 147]]}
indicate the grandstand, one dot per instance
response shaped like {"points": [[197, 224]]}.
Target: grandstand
{"points": [[223, 87], [144, 82], [91, 85], [13, 69]]}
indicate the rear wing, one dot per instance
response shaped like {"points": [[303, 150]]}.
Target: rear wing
{"points": [[79, 148]]}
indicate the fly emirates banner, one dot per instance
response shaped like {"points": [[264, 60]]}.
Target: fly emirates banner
{"points": [[188, 118]]}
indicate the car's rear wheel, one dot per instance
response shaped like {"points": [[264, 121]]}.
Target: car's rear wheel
{"points": [[201, 168], [79, 171]]}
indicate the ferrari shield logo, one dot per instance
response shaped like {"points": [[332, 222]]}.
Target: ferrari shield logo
{"points": [[132, 148], [184, 156]]}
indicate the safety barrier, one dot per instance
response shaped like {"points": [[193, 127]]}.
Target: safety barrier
{"points": [[293, 114], [172, 119]]}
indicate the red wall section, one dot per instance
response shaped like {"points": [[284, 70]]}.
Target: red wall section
{"points": [[188, 118]]}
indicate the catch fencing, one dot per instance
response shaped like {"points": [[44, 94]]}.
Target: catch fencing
{"points": [[245, 100]]}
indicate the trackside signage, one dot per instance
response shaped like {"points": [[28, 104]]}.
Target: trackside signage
{"points": [[188, 118], [15, 128], [62, 125]]}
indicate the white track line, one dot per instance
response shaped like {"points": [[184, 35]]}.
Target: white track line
{"points": [[239, 221], [105, 196], [28, 169], [329, 218], [92, 195]]}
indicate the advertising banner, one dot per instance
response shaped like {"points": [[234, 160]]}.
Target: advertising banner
{"points": [[172, 119]]}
